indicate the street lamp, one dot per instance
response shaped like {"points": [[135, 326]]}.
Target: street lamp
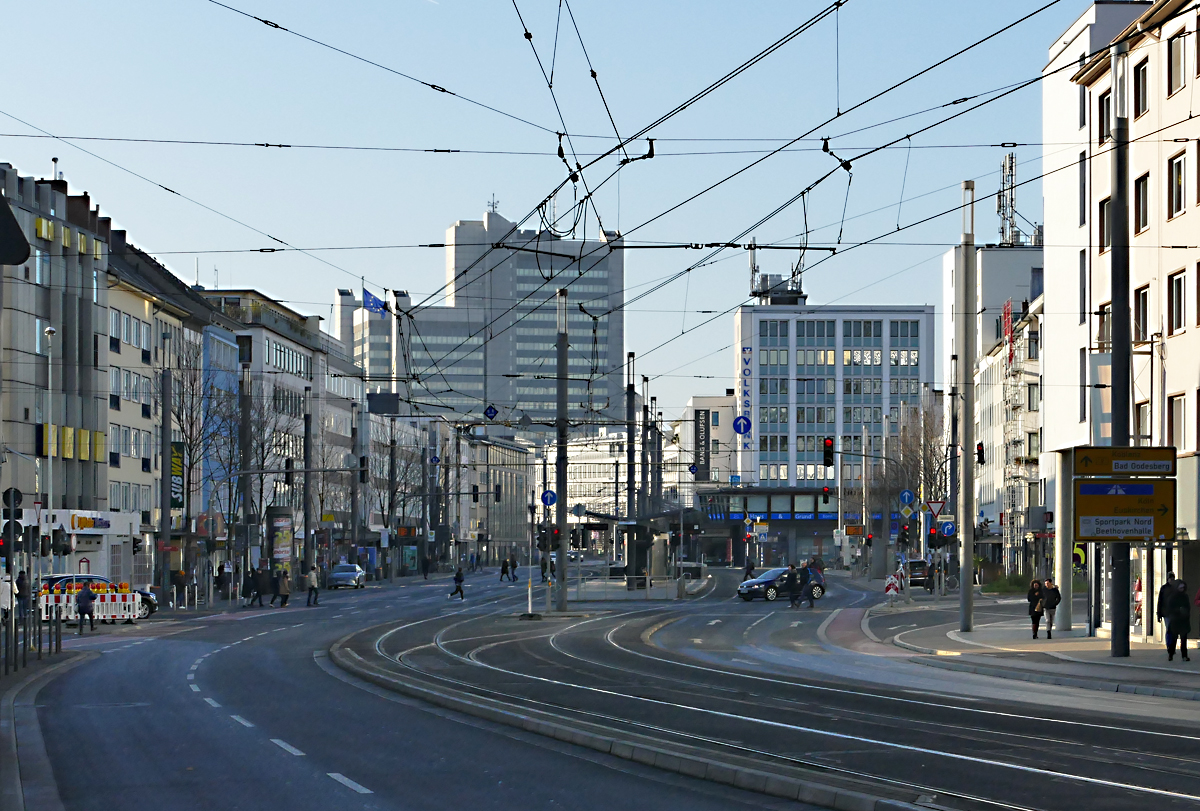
{"points": [[50, 332]]}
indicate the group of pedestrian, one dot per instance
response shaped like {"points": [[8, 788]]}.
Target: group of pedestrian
{"points": [[1043, 599], [259, 582], [508, 569], [799, 584], [1175, 610]]}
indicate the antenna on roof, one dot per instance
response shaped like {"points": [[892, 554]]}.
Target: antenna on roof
{"points": [[54, 171]]}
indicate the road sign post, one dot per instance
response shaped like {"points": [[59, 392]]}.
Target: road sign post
{"points": [[1108, 461]]}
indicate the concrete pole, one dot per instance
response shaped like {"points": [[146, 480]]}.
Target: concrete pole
{"points": [[644, 493], [354, 488], [1122, 340], [245, 438], [631, 512], [560, 459], [164, 523], [306, 486], [391, 500], [965, 317], [1064, 537], [50, 331]]}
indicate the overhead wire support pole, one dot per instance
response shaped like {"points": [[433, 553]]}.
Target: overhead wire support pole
{"points": [[965, 327], [1121, 338], [306, 486], [631, 513], [560, 460]]}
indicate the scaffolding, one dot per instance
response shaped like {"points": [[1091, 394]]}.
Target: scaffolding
{"points": [[1015, 470]]}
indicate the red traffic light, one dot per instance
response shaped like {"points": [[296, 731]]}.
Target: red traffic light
{"points": [[933, 530], [825, 495]]}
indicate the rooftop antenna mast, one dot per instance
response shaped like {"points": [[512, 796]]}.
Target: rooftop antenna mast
{"points": [[1006, 201], [753, 267]]}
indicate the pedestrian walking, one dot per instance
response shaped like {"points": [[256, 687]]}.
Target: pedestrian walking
{"points": [[458, 586], [249, 587], [22, 595], [1164, 594], [314, 582], [1037, 605], [807, 581], [749, 575], [471, 562], [263, 585], [512, 568], [274, 587], [791, 584], [1051, 597], [504, 570], [543, 568], [285, 588], [84, 606], [1179, 620], [7, 598]]}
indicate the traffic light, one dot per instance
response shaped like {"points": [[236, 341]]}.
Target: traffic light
{"points": [[497, 494], [902, 538], [364, 473], [543, 539], [474, 494], [828, 448], [870, 538], [288, 476], [979, 452], [137, 545], [824, 495], [554, 537]]}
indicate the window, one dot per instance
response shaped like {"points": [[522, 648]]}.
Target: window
{"points": [[1175, 303], [1103, 224], [1033, 396], [1083, 287], [1141, 88], [1141, 314], [1104, 119], [1083, 390], [1141, 424], [1175, 423], [1083, 105], [1033, 345], [1082, 189], [1104, 331], [1176, 64], [1175, 193], [1033, 444], [716, 420], [114, 381], [39, 338], [1141, 203], [125, 332]]}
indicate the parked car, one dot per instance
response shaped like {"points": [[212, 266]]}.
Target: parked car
{"points": [[770, 585], [146, 606], [347, 575], [918, 571]]}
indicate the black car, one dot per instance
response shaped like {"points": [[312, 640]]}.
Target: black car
{"points": [[918, 571], [770, 584], [146, 606]]}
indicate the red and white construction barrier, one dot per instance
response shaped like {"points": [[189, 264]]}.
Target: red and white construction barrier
{"points": [[107, 606]]}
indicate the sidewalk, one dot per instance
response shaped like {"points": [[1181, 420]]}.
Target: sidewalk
{"points": [[1007, 650]]}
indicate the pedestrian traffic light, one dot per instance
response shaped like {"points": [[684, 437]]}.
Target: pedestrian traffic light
{"points": [[902, 537], [474, 494], [979, 452], [870, 538], [828, 447], [288, 466], [137, 545], [543, 539], [364, 473], [497, 494], [824, 495]]}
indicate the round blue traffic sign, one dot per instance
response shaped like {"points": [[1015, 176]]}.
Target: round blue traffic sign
{"points": [[433, 460], [741, 425], [548, 498], [907, 497], [948, 528]]}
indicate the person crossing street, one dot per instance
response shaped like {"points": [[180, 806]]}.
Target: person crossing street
{"points": [[314, 582], [458, 585]]}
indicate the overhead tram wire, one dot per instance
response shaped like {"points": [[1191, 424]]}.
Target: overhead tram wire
{"points": [[363, 59], [839, 114]]}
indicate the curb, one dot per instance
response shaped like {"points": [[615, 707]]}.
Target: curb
{"points": [[1063, 681], [638, 749], [900, 643], [42, 793]]}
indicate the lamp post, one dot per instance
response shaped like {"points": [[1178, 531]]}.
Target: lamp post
{"points": [[50, 332]]}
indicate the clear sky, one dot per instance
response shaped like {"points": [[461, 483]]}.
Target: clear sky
{"points": [[193, 70]]}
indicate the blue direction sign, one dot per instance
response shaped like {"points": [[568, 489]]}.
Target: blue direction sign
{"points": [[741, 425], [907, 497], [735, 478], [548, 498], [490, 412], [948, 528], [692, 469]]}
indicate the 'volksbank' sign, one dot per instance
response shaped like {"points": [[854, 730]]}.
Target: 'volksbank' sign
{"points": [[744, 384]]}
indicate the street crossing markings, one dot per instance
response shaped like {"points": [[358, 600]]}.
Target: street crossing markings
{"points": [[795, 624], [241, 720], [287, 747], [191, 676], [697, 641], [211, 703], [713, 622], [350, 784]]}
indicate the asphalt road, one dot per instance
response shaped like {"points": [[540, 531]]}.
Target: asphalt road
{"points": [[766, 680], [244, 711]]}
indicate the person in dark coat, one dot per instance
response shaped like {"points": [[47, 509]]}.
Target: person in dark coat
{"points": [[264, 583], [274, 588], [1051, 597], [1179, 620], [458, 585], [791, 584], [512, 567], [22, 595], [1037, 605], [1164, 594], [85, 599], [504, 569], [544, 569], [749, 575], [806, 584]]}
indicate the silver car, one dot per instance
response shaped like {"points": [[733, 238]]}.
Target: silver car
{"points": [[349, 575]]}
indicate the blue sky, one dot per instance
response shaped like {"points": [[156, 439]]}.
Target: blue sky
{"points": [[193, 70]]}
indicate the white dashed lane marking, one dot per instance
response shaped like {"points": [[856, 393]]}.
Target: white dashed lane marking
{"points": [[195, 688], [211, 703], [287, 747], [191, 676], [350, 784], [241, 720]]}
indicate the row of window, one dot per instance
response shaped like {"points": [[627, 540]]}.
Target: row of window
{"points": [[287, 401], [129, 385], [287, 359], [1176, 314], [769, 328], [129, 497], [130, 442], [803, 473], [850, 357], [129, 329]]}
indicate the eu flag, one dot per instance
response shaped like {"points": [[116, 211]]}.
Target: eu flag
{"points": [[373, 303]]}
